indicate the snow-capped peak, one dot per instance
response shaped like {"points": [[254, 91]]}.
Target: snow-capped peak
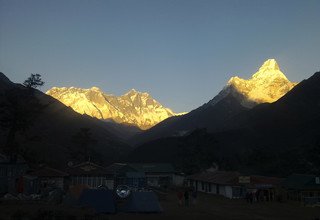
{"points": [[268, 84], [270, 64], [269, 69], [133, 107], [93, 88]]}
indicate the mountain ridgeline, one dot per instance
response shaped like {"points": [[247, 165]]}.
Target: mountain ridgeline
{"points": [[277, 138], [263, 125], [133, 108], [267, 85], [43, 130]]}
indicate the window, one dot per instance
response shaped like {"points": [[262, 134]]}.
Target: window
{"points": [[202, 186]]}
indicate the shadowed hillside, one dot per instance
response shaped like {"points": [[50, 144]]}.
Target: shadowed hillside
{"points": [[276, 139], [50, 134]]}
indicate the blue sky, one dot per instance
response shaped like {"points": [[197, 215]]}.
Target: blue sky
{"points": [[180, 51]]}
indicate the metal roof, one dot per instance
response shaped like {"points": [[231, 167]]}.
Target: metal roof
{"points": [[48, 172], [88, 169], [217, 177]]}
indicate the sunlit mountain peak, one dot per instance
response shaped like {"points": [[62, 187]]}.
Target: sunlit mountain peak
{"points": [[270, 64], [133, 107], [94, 88], [267, 85], [269, 69]]}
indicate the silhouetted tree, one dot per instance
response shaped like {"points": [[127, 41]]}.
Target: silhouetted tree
{"points": [[84, 140], [33, 81]]}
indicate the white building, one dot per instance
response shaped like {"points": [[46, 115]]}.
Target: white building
{"points": [[223, 183]]}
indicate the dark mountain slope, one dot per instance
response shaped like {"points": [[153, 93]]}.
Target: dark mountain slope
{"points": [[208, 116], [274, 139], [49, 136]]}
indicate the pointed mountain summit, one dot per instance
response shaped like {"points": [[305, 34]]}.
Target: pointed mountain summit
{"points": [[269, 69], [267, 85], [134, 108]]}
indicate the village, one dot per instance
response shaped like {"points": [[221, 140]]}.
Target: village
{"points": [[146, 188]]}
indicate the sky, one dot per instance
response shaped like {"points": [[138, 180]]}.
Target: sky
{"points": [[182, 52]]}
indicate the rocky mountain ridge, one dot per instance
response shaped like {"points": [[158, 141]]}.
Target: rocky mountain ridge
{"points": [[134, 108], [267, 85]]}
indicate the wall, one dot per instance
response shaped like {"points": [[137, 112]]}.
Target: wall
{"points": [[178, 180], [93, 182], [228, 190]]}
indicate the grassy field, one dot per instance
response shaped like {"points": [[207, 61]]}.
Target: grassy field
{"points": [[207, 207]]}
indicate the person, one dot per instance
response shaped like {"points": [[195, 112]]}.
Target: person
{"points": [[180, 196], [194, 196], [251, 197], [257, 195], [186, 197], [248, 197]]}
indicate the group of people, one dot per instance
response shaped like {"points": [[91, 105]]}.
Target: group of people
{"points": [[259, 196], [186, 195]]}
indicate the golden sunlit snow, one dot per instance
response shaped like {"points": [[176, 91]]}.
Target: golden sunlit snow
{"points": [[267, 85], [134, 107]]}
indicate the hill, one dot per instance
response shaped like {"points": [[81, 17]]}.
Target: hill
{"points": [[44, 130], [272, 139]]}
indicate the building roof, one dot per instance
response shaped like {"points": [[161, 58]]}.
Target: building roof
{"points": [[141, 167], [88, 169], [48, 172], [264, 181], [116, 167], [301, 182], [153, 167], [135, 175], [217, 177], [5, 159]]}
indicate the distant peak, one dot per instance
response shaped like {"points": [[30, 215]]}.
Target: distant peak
{"points": [[269, 69], [132, 92], [270, 64], [268, 84], [93, 88]]}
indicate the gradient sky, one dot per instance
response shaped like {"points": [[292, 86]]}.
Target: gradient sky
{"points": [[182, 52]]}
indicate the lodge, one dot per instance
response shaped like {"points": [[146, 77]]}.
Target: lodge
{"points": [[231, 184], [303, 188], [145, 174], [90, 174], [223, 183]]}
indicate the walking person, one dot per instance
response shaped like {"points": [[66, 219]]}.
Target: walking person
{"points": [[180, 196], [186, 197], [194, 196]]}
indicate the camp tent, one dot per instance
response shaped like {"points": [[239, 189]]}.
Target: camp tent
{"points": [[101, 200], [142, 202], [73, 195]]}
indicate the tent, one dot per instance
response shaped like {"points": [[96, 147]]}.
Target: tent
{"points": [[101, 200], [73, 195], [142, 202]]}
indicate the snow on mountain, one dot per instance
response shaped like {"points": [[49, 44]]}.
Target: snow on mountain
{"points": [[133, 107], [267, 85]]}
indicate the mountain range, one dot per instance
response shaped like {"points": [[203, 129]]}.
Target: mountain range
{"points": [[133, 108], [267, 85], [276, 138], [47, 131], [264, 125]]}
